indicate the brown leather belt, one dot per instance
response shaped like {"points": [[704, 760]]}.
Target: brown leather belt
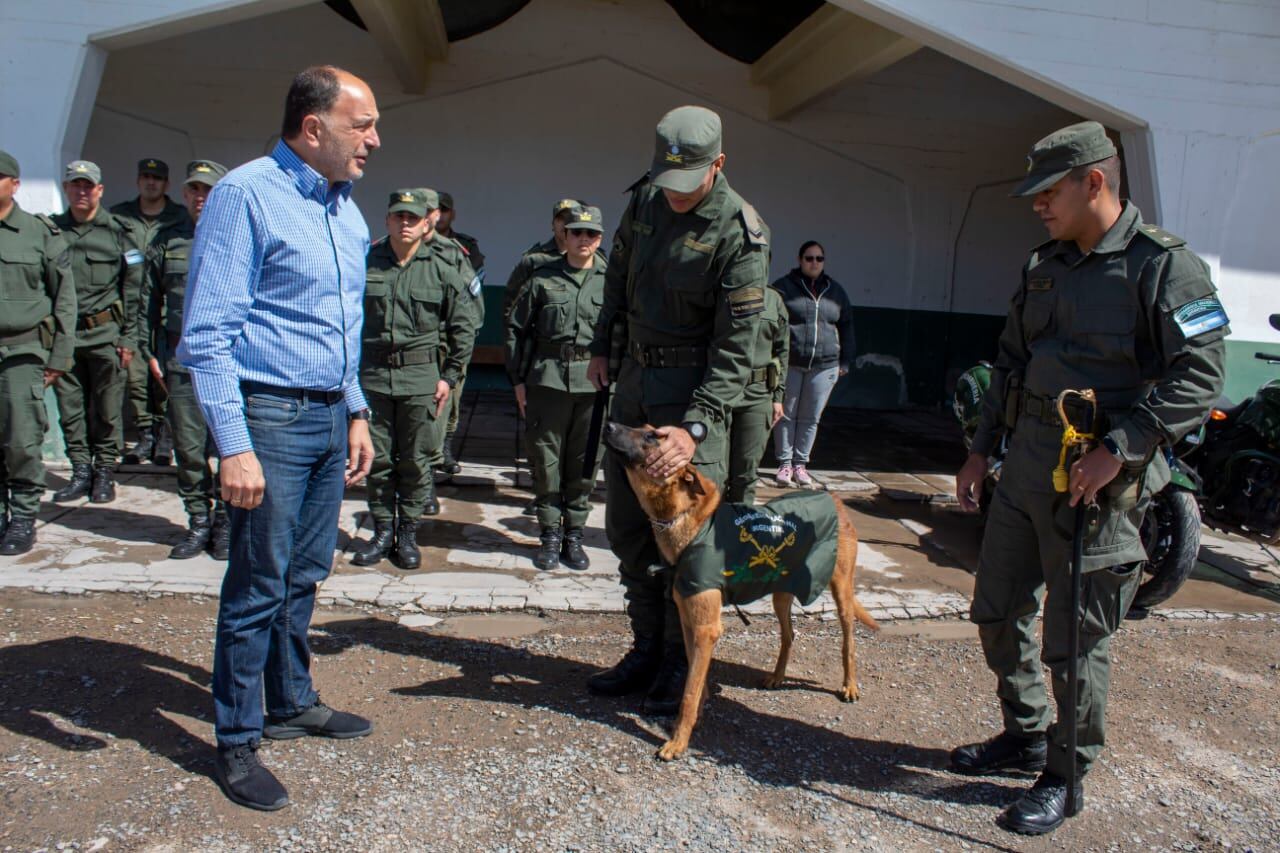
{"points": [[93, 321]]}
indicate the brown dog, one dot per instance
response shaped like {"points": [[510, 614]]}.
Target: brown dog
{"points": [[683, 512]]}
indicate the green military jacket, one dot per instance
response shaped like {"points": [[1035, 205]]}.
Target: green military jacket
{"points": [[557, 308], [164, 292], [419, 320], [37, 290], [693, 280], [107, 268], [748, 552], [143, 229], [530, 258], [474, 260], [770, 354]]}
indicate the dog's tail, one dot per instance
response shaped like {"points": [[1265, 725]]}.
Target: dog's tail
{"points": [[861, 614]]}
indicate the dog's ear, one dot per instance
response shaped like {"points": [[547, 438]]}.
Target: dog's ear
{"points": [[695, 482]]}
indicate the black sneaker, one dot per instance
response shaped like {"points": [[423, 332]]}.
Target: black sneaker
{"points": [[246, 782], [1005, 751], [319, 720], [1042, 809]]}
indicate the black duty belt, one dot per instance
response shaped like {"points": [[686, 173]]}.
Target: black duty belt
{"points": [[563, 352], [93, 321], [326, 397], [20, 338], [1043, 409], [669, 356], [407, 357], [759, 374]]}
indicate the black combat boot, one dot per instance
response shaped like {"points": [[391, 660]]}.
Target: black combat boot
{"points": [[198, 531], [104, 485], [548, 556], [1005, 751], [633, 673], [663, 698], [81, 483], [531, 508], [431, 506], [377, 548], [1043, 808], [407, 552], [450, 466], [571, 552], [141, 452], [19, 536], [163, 454], [220, 534]]}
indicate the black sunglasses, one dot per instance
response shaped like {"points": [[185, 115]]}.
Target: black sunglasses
{"points": [[818, 258], [582, 232]]}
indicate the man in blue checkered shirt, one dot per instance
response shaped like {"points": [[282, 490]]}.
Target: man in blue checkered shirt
{"points": [[271, 336]]}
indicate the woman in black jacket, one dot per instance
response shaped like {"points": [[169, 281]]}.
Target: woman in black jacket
{"points": [[821, 322]]}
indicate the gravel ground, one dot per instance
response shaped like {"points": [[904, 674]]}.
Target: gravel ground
{"points": [[486, 740]]}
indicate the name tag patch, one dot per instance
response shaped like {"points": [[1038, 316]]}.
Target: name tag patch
{"points": [[746, 301], [704, 248], [1200, 316], [1039, 284]]}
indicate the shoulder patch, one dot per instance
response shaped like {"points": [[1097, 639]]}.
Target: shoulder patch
{"points": [[477, 282], [746, 301], [49, 223], [133, 257], [1200, 316], [1161, 237], [756, 231]]}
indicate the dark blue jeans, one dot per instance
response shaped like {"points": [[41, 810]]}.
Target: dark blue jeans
{"points": [[280, 551]]}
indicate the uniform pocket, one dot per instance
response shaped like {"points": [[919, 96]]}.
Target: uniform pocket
{"points": [[426, 297], [1037, 314], [103, 267], [266, 410]]}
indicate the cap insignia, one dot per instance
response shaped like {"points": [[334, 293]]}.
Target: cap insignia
{"points": [[406, 196]]}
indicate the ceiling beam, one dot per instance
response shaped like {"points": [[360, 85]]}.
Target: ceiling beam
{"points": [[410, 34], [831, 47]]}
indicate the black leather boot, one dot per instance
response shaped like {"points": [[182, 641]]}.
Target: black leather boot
{"points": [[19, 536], [104, 485], [81, 483], [633, 673], [141, 452], [407, 552], [1005, 751], [548, 556], [163, 454], [220, 535], [198, 531], [377, 548], [571, 552], [450, 466], [432, 504], [531, 508], [663, 698], [1043, 808]]}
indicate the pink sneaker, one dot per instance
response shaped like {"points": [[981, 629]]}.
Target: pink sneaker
{"points": [[783, 477], [802, 478]]}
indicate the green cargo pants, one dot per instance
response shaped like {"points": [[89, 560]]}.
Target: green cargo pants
{"points": [[403, 430], [197, 485], [556, 426], [1025, 557], [90, 396], [748, 436], [648, 594], [23, 421]]}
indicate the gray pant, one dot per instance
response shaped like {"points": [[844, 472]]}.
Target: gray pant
{"points": [[806, 397]]}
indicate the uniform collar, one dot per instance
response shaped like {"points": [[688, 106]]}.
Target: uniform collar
{"points": [[308, 181], [714, 202], [1122, 230], [7, 222]]}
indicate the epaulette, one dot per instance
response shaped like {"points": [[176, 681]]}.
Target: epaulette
{"points": [[465, 251], [49, 223], [1161, 237], [644, 179], [755, 225]]}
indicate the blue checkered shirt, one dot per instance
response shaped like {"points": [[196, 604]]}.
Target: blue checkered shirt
{"points": [[274, 291]]}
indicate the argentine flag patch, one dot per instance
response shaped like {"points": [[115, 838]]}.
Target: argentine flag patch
{"points": [[1202, 315], [474, 287], [133, 257]]}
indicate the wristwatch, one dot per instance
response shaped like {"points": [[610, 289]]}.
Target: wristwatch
{"points": [[362, 415], [1111, 447], [697, 430]]}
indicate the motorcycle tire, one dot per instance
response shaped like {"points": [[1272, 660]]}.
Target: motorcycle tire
{"points": [[1171, 535]]}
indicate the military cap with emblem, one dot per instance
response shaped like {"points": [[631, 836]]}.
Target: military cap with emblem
{"points": [[1061, 151], [82, 170], [585, 218], [204, 172], [8, 165], [446, 201], [563, 206], [688, 142], [409, 200], [430, 197], [153, 166]]}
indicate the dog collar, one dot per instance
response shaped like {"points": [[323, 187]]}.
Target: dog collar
{"points": [[667, 524]]}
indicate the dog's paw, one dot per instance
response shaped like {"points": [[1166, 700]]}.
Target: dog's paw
{"points": [[670, 751], [772, 682], [848, 694]]}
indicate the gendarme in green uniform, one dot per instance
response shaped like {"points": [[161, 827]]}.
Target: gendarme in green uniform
{"points": [[107, 269], [688, 289], [536, 255], [471, 248], [548, 338], [752, 418], [37, 331], [160, 321], [1137, 319], [419, 328]]}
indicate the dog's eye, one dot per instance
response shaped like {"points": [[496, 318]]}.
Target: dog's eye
{"points": [[651, 435]]}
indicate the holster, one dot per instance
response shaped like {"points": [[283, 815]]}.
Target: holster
{"points": [[1012, 400], [45, 330], [774, 377]]}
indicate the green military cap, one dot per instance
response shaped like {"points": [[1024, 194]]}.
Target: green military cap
{"points": [[688, 141], [8, 165], [82, 170], [204, 172], [410, 200], [153, 166], [563, 206], [446, 201], [1061, 151], [586, 218]]}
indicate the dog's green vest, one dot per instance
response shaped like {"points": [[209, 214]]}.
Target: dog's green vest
{"points": [[748, 552]]}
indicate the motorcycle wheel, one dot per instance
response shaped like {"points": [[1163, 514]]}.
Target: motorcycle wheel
{"points": [[1171, 535]]}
